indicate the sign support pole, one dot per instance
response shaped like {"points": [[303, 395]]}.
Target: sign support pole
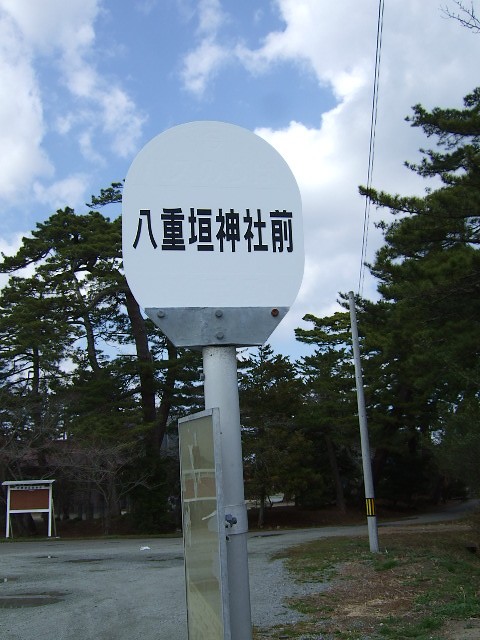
{"points": [[221, 390], [50, 511], [8, 528], [362, 418]]}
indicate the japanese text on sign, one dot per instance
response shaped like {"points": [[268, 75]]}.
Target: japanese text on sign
{"points": [[222, 230]]}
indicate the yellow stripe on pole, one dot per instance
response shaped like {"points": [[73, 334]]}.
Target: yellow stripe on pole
{"points": [[370, 506]]}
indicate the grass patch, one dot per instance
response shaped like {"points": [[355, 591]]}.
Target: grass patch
{"points": [[424, 581]]}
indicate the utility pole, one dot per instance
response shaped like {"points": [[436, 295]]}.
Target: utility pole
{"points": [[362, 418]]}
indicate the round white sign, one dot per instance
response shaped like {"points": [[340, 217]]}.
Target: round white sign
{"points": [[212, 218]]}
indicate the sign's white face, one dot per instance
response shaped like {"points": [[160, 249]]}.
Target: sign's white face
{"points": [[212, 218]]}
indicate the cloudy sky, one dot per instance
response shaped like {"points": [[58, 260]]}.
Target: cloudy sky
{"points": [[84, 84]]}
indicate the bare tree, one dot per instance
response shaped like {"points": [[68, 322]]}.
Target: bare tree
{"points": [[22, 454], [103, 468], [464, 14]]}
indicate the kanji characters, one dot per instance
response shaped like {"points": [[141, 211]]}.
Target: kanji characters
{"points": [[223, 231], [201, 229], [281, 230], [258, 225], [146, 214], [229, 229], [173, 230]]}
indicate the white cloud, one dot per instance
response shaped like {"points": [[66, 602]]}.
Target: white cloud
{"points": [[64, 34], [21, 115], [307, 150], [333, 39], [202, 63], [51, 25], [63, 124], [146, 6], [211, 17], [9, 248], [70, 190], [121, 120], [425, 59], [88, 148], [82, 81]]}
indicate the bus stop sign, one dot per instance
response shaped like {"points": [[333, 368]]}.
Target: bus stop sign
{"points": [[212, 234]]}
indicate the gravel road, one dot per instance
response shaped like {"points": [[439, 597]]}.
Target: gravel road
{"points": [[124, 589]]}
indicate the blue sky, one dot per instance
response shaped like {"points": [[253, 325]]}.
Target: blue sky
{"points": [[86, 83]]}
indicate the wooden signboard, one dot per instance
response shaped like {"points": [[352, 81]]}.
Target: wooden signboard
{"points": [[29, 496], [29, 499]]}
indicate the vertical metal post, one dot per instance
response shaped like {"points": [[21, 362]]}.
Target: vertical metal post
{"points": [[221, 390], [50, 509], [362, 418], [7, 524]]}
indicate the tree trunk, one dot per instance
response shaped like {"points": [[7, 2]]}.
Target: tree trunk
{"points": [[145, 361], [167, 396], [37, 414], [87, 325], [261, 512], [35, 392], [111, 505]]}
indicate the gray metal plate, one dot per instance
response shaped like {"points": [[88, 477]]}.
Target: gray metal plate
{"points": [[232, 326]]}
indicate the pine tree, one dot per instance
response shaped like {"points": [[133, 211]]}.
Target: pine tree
{"points": [[429, 279], [276, 455]]}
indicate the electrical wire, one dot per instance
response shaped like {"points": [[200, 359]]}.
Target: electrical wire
{"points": [[371, 149]]}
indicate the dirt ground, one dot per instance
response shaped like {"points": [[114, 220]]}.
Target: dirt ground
{"points": [[360, 597], [364, 595]]}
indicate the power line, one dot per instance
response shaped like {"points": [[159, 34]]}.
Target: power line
{"points": [[371, 149]]}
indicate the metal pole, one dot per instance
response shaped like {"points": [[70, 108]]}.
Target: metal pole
{"points": [[50, 507], [7, 527], [362, 418], [221, 390]]}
